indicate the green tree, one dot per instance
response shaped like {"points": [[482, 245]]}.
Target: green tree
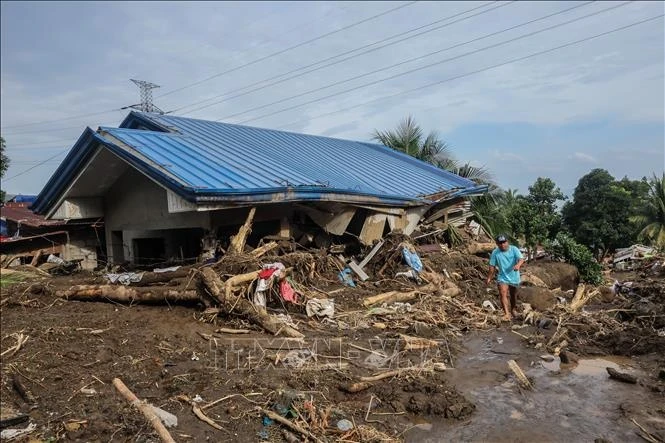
{"points": [[410, 138], [599, 214], [4, 165], [534, 217], [566, 248], [651, 216]]}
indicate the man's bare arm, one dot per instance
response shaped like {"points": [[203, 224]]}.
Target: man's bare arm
{"points": [[490, 275], [519, 264]]}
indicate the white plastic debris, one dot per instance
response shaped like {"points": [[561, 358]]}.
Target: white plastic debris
{"points": [[9, 434], [88, 391], [55, 259], [297, 358], [195, 357], [197, 399], [344, 425], [171, 269], [320, 307], [167, 418], [489, 305]]}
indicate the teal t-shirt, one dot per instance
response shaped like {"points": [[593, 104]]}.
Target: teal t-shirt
{"points": [[504, 261]]}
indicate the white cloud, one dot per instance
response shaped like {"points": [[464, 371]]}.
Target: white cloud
{"points": [[581, 156]]}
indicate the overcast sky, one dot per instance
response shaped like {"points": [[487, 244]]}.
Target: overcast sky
{"points": [[598, 103]]}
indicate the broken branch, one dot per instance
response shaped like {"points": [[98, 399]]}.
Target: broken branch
{"points": [[145, 409]]}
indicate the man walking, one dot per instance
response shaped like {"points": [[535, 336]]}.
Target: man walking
{"points": [[505, 263]]}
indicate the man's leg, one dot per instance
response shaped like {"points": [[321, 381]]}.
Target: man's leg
{"points": [[503, 294], [513, 300]]}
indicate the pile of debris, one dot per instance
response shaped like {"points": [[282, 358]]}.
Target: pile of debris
{"points": [[415, 292]]}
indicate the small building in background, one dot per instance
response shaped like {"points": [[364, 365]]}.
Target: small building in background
{"points": [[29, 238]]}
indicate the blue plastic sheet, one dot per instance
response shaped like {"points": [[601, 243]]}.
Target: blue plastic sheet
{"points": [[345, 277], [412, 259]]}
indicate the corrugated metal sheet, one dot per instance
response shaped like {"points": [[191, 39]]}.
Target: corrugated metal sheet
{"points": [[18, 212], [213, 158]]}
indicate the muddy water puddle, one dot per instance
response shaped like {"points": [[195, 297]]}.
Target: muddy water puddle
{"points": [[569, 403]]}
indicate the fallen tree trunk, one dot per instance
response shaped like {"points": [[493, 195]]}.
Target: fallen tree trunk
{"points": [[161, 277], [390, 297], [479, 248], [127, 294], [261, 251], [240, 306], [238, 241]]}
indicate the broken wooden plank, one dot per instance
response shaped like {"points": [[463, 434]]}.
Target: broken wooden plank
{"points": [[358, 270], [371, 254]]}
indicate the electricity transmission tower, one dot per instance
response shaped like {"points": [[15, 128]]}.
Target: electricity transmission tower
{"points": [[146, 104]]}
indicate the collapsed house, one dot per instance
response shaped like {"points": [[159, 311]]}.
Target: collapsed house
{"points": [[174, 188], [28, 238]]}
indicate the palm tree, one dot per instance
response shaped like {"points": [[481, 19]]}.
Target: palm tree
{"points": [[409, 138], [652, 217]]}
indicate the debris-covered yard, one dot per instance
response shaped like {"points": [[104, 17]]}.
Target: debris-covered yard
{"points": [[391, 359]]}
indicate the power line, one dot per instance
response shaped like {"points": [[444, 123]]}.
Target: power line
{"points": [[290, 48], [62, 140], [428, 55], [478, 71], [73, 117], [355, 88], [35, 166], [341, 55]]}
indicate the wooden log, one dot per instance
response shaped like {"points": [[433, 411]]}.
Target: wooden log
{"points": [[234, 281], [479, 248], [409, 343], [621, 376], [353, 388], [261, 251], [521, 378], [35, 259], [145, 409], [162, 277], [579, 292], [238, 241], [242, 306], [126, 294], [390, 297]]}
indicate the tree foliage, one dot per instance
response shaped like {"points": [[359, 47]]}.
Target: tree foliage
{"points": [[599, 215], [566, 248], [410, 139], [651, 215], [534, 217]]}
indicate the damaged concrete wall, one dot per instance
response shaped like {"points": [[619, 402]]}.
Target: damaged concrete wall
{"points": [[135, 203], [82, 246]]}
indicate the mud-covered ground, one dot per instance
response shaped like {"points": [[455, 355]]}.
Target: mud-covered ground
{"points": [[62, 376]]}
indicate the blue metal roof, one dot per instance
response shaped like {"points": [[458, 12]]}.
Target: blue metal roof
{"points": [[207, 161]]}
